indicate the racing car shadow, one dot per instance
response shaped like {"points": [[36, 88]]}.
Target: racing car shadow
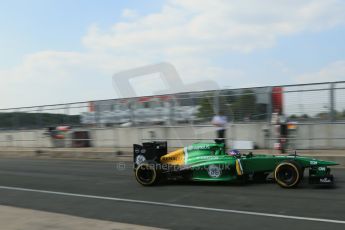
{"points": [[216, 183], [306, 185], [303, 185]]}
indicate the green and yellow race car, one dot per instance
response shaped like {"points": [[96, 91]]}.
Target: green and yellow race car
{"points": [[210, 162]]}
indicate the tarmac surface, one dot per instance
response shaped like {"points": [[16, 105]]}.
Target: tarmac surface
{"points": [[106, 190], [13, 218]]}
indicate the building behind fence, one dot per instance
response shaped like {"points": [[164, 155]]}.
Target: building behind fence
{"points": [[319, 110]]}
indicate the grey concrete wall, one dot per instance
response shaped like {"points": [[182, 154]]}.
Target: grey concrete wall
{"points": [[27, 139], [309, 136], [321, 136]]}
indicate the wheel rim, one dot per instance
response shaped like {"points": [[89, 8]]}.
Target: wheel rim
{"points": [[287, 175]]}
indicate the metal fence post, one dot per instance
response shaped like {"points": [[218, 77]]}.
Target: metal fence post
{"points": [[38, 125], [268, 114], [332, 112], [97, 115]]}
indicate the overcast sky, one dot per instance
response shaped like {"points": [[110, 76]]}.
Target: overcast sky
{"points": [[55, 51]]}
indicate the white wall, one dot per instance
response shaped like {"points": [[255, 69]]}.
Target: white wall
{"points": [[183, 135]]}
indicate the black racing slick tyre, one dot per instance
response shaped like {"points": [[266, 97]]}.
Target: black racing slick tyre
{"points": [[147, 174], [288, 174]]}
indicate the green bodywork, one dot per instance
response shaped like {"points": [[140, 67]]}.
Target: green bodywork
{"points": [[209, 162]]}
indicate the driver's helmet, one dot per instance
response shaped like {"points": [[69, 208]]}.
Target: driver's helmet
{"points": [[234, 152]]}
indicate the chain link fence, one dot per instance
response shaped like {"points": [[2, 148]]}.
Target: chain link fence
{"points": [[309, 102], [305, 104]]}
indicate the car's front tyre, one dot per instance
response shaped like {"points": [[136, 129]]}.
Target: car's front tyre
{"points": [[288, 174]]}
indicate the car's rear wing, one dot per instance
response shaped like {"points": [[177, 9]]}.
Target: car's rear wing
{"points": [[149, 151]]}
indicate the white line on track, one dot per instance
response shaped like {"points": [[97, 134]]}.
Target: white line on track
{"points": [[175, 205]]}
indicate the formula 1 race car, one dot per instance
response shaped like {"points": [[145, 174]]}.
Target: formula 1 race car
{"points": [[210, 162]]}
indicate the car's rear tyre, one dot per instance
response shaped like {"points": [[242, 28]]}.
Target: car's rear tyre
{"points": [[147, 174], [288, 174]]}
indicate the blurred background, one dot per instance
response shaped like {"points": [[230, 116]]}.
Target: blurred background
{"points": [[314, 116]]}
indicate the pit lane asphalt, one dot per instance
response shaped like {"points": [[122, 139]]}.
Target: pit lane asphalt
{"points": [[115, 179]]}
